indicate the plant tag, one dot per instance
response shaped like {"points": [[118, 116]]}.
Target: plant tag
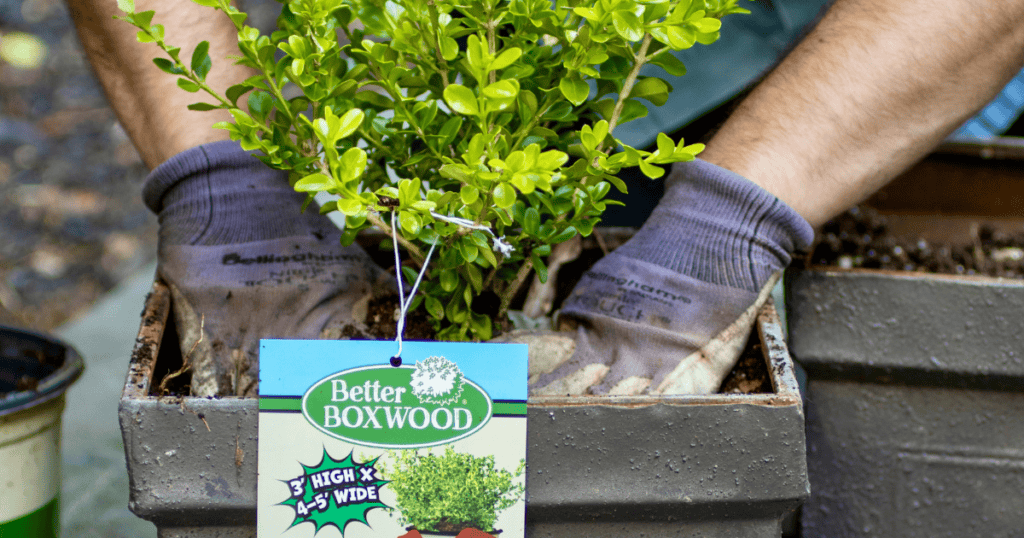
{"points": [[351, 446]]}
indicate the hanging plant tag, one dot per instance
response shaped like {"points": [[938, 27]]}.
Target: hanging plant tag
{"points": [[350, 444]]}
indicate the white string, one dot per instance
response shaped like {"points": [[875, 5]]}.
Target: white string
{"points": [[499, 242], [404, 302]]}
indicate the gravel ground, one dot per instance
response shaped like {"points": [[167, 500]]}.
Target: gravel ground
{"points": [[72, 223]]}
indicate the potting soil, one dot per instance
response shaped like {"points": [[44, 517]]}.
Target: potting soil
{"points": [[861, 238]]}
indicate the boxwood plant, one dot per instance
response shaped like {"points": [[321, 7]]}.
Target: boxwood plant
{"points": [[484, 127]]}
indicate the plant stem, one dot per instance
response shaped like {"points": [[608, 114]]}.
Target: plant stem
{"points": [[414, 251], [442, 63], [513, 287], [492, 76], [627, 86]]}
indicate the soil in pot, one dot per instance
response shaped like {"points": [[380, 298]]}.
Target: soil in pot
{"points": [[749, 376], [863, 238]]}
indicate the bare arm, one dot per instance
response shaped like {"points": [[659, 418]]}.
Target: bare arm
{"points": [[872, 89], [147, 101]]}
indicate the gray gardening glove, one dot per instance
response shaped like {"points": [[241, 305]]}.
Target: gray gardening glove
{"points": [[670, 310], [244, 264]]}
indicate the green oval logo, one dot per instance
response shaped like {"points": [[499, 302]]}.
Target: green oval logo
{"points": [[424, 405]]}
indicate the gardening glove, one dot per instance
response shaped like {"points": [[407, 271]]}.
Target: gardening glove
{"points": [[243, 264], [669, 312]]}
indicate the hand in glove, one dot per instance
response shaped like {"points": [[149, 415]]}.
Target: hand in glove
{"points": [[243, 263], [670, 310]]}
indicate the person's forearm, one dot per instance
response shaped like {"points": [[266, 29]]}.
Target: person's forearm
{"points": [[147, 101], [870, 91]]}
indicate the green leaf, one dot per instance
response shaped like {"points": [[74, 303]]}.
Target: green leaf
{"points": [[314, 183], [672, 65], [449, 130], [627, 25], [469, 250], [574, 90], [457, 172], [260, 104], [349, 122], [434, 307], [653, 89], [238, 17], [488, 254], [449, 48], [350, 207], [502, 89], [476, 277], [449, 280], [531, 221], [188, 85], [409, 222], [144, 18], [461, 99], [680, 37], [618, 183], [168, 66], [374, 98], [203, 107], [408, 191], [504, 195], [666, 147], [564, 235], [469, 194], [552, 159], [329, 207], [538, 265], [475, 51], [128, 6], [455, 311], [632, 110], [707, 25], [206, 3], [480, 325], [353, 164], [650, 170], [505, 59], [236, 91], [201, 63]]}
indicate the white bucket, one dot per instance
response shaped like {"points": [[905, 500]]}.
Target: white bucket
{"points": [[30, 430]]}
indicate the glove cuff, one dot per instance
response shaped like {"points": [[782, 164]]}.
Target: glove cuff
{"points": [[217, 194], [720, 227]]}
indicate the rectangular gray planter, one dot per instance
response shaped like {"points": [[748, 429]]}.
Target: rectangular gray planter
{"points": [[915, 402], [716, 466]]}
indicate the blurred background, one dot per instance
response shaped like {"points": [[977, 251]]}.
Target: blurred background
{"points": [[72, 223]]}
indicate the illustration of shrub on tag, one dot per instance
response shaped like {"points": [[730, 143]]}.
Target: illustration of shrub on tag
{"points": [[484, 128], [450, 492]]}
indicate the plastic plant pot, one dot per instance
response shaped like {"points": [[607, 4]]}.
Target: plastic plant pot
{"points": [[35, 371]]}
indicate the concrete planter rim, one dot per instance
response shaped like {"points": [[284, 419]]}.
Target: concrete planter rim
{"points": [[192, 460], [914, 399]]}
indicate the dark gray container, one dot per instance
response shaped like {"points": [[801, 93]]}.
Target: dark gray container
{"points": [[715, 466], [915, 403]]}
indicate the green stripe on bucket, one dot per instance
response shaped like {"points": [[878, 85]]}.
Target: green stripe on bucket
{"points": [[42, 523], [294, 405]]}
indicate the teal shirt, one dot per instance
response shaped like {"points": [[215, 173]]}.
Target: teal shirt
{"points": [[750, 45]]}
